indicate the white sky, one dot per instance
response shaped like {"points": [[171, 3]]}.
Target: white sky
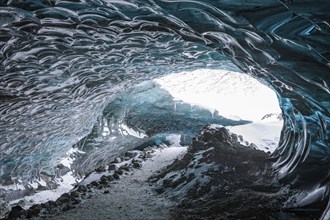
{"points": [[234, 95]]}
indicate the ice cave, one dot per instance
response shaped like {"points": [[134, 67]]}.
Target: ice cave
{"points": [[85, 84]]}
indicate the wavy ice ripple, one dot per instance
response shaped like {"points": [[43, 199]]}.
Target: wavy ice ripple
{"points": [[63, 61]]}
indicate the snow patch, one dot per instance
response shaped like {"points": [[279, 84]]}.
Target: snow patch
{"points": [[265, 135], [64, 183], [125, 130]]}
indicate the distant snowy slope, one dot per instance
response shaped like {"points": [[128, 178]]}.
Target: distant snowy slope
{"points": [[234, 95], [265, 135]]}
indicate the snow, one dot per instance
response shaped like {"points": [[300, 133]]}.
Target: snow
{"points": [[131, 197], [215, 126], [265, 135], [125, 130], [161, 158], [68, 159], [65, 183], [232, 94], [174, 139]]}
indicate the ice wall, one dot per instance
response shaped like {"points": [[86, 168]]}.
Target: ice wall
{"points": [[63, 61]]}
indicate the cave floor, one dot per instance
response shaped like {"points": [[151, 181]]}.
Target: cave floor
{"points": [[217, 177], [130, 197]]}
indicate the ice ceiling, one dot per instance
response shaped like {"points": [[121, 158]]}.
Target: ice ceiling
{"points": [[62, 62]]}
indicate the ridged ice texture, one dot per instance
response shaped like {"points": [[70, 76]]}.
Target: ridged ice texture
{"points": [[63, 61]]}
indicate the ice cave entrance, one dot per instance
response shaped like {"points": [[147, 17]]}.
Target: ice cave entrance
{"points": [[234, 95]]}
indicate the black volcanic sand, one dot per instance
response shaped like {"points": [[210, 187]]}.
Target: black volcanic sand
{"points": [[241, 182], [218, 178]]}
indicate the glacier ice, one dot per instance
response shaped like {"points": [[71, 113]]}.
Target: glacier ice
{"points": [[62, 62]]}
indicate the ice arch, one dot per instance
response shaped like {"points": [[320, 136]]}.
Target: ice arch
{"points": [[62, 61]]}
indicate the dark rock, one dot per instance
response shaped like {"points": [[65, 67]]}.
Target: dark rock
{"points": [[104, 180], [137, 164], [75, 194], [4, 207], [62, 170], [6, 181], [44, 205], [241, 180], [94, 184], [240, 138], [110, 178], [125, 168], [112, 167], [99, 187], [16, 212], [119, 172], [50, 206], [167, 183], [33, 211], [215, 135], [131, 154], [41, 188], [82, 188], [75, 201], [137, 160], [116, 176], [252, 145], [65, 207], [100, 169], [106, 192], [160, 190], [52, 185], [64, 198]]}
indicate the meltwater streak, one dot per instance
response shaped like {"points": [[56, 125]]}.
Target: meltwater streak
{"points": [[63, 61]]}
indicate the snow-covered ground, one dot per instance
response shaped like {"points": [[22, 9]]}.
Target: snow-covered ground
{"points": [[65, 184], [131, 197], [265, 135]]}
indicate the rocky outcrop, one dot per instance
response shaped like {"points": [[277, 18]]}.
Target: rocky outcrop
{"points": [[221, 179]]}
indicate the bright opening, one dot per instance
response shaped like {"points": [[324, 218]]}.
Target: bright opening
{"points": [[232, 95]]}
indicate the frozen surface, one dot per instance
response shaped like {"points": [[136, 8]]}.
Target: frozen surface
{"points": [[265, 135]]}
